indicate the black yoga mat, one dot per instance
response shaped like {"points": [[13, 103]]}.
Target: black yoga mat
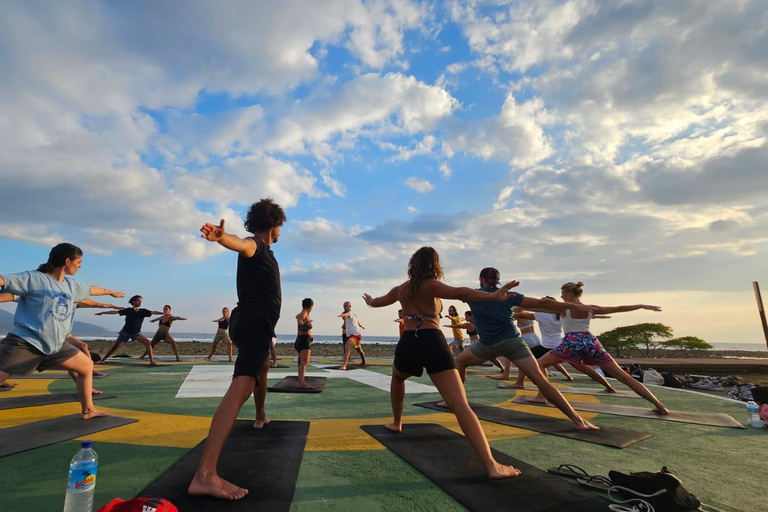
{"points": [[41, 375], [6, 388], [35, 400], [606, 436], [449, 461], [43, 433], [711, 419], [291, 385], [265, 461], [601, 392]]}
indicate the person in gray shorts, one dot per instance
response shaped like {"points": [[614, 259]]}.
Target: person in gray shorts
{"points": [[499, 336], [43, 318]]}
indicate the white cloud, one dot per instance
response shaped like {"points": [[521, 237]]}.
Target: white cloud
{"points": [[412, 209], [445, 170], [419, 185]]}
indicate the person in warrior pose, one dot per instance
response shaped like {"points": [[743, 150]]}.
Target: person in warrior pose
{"points": [[253, 327], [303, 343], [581, 347], [222, 335], [164, 332], [400, 322], [352, 331], [43, 317], [458, 335], [499, 336], [469, 325], [423, 345], [134, 317]]}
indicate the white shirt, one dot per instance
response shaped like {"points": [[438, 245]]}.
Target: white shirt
{"points": [[351, 326], [551, 329]]}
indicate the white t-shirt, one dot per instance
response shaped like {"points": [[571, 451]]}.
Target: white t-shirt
{"points": [[551, 329], [351, 325]]}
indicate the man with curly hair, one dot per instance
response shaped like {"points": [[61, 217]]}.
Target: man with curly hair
{"points": [[252, 328]]}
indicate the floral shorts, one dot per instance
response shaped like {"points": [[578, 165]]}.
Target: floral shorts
{"points": [[582, 348]]}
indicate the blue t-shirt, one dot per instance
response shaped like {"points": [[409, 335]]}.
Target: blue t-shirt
{"points": [[493, 318], [46, 307]]}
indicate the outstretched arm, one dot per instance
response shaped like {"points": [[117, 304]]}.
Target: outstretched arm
{"points": [[465, 294], [157, 312], [98, 290], [107, 312], [385, 300], [9, 297], [623, 309], [245, 246], [90, 303], [155, 319], [174, 318], [553, 306]]}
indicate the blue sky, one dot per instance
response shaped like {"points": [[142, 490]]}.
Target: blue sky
{"points": [[618, 143]]}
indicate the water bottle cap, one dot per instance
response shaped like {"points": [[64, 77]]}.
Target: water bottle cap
{"points": [[86, 444]]}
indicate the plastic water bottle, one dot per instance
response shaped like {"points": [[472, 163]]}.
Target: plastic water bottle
{"points": [[82, 480], [754, 416]]}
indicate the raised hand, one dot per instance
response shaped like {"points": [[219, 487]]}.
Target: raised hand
{"points": [[502, 292], [367, 298], [117, 295], [652, 308], [213, 233]]}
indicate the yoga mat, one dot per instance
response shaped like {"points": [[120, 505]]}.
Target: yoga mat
{"points": [[349, 367], [41, 375], [264, 461], [696, 418], [449, 461], [35, 400], [5, 388], [290, 384], [606, 436], [139, 362], [578, 391], [43, 433]]}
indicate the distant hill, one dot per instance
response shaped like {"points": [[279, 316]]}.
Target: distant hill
{"points": [[6, 324]]}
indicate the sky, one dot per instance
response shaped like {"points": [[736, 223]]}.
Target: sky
{"points": [[623, 144]]}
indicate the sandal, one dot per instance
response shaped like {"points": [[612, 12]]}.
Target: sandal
{"points": [[570, 471], [596, 483]]}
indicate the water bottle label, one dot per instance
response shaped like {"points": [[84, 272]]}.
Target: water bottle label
{"points": [[83, 478]]}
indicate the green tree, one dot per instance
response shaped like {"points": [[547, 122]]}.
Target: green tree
{"points": [[647, 335], [690, 343]]}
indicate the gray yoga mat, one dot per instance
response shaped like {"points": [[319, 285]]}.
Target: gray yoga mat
{"points": [[265, 461], [36, 400], [43, 433], [290, 384], [606, 436], [696, 418], [448, 459], [41, 375], [621, 393]]}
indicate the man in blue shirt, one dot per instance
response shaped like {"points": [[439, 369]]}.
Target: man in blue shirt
{"points": [[499, 336]]}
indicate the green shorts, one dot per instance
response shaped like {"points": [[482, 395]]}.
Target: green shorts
{"points": [[219, 337], [512, 348]]}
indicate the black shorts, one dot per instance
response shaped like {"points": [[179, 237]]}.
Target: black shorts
{"points": [[344, 339], [159, 336], [539, 350], [303, 342], [427, 350], [251, 329]]}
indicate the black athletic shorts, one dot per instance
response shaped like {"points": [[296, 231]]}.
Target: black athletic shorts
{"points": [[539, 350], [427, 350], [303, 342], [251, 329]]}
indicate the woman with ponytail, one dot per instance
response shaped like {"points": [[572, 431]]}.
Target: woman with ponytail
{"points": [[43, 318], [581, 347]]}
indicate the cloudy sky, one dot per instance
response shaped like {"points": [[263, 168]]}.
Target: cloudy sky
{"points": [[619, 143]]}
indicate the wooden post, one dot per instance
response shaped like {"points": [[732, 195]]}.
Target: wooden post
{"points": [[761, 310]]}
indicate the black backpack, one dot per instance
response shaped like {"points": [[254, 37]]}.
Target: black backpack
{"points": [[671, 381], [663, 490]]}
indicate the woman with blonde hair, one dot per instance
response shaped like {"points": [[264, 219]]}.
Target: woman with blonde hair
{"points": [[222, 335], [423, 345], [581, 347]]}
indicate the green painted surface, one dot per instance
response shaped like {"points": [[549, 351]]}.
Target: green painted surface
{"points": [[723, 467]]}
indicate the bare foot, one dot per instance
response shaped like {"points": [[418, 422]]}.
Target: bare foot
{"points": [[500, 471], [100, 361], [610, 390], [394, 427], [585, 425], [661, 410], [516, 386], [306, 386], [207, 359], [230, 359], [216, 487], [95, 391], [8, 384], [260, 422], [142, 357], [98, 374], [153, 363], [271, 365], [93, 413], [342, 367], [535, 400], [442, 404]]}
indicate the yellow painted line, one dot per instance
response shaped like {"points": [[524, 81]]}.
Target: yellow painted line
{"points": [[155, 429]]}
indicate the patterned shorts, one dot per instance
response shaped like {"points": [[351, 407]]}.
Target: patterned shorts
{"points": [[582, 348]]}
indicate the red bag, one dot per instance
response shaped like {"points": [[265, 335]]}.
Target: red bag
{"points": [[139, 505]]}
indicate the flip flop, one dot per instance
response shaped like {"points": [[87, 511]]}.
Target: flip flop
{"points": [[596, 483], [569, 471]]}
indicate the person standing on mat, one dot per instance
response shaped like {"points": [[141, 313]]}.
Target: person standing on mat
{"points": [[458, 334], [134, 317], [272, 353], [164, 332], [581, 347], [400, 323], [423, 345], [469, 325], [352, 330], [499, 336], [222, 335], [303, 343], [43, 317], [253, 327]]}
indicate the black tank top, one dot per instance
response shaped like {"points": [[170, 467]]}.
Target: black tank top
{"points": [[224, 324], [258, 280]]}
